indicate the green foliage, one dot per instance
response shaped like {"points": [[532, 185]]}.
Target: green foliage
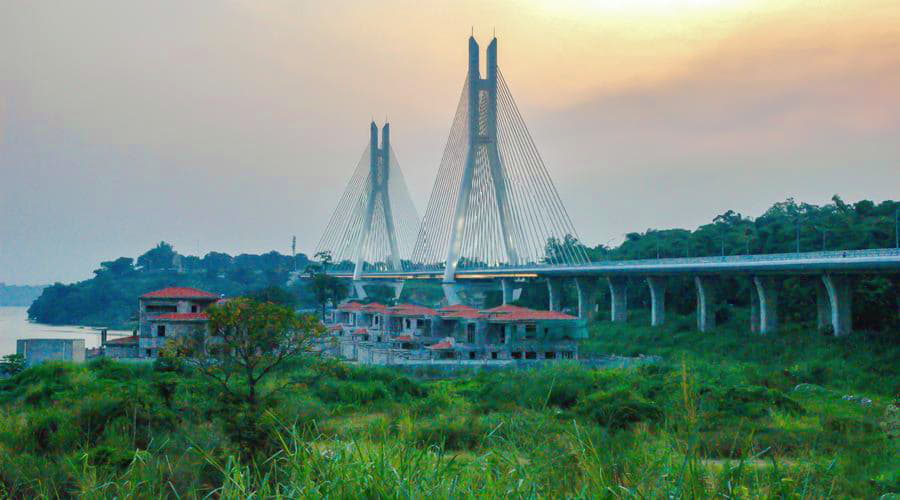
{"points": [[618, 408], [275, 295], [246, 342], [12, 364], [834, 226], [160, 257], [110, 298], [723, 415]]}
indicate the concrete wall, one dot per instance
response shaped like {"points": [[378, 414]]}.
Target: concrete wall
{"points": [[121, 351], [174, 330], [37, 351]]}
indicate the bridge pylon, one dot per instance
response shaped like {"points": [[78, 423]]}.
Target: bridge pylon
{"points": [[375, 223], [493, 203]]}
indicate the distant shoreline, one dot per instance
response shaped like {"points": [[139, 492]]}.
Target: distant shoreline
{"points": [[117, 329]]}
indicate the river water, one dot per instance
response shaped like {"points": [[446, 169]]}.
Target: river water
{"points": [[14, 325]]}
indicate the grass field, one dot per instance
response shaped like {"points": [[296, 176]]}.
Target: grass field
{"points": [[724, 415]]}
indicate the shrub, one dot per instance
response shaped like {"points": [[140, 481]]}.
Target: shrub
{"points": [[451, 432], [751, 401], [50, 430], [108, 455], [618, 409], [352, 392]]}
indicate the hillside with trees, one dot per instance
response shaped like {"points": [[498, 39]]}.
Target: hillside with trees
{"points": [[110, 297]]}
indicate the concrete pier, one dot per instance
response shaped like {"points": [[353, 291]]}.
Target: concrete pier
{"points": [[823, 305], [840, 301], [360, 290], [554, 291], [706, 302], [585, 287], [398, 289], [657, 287], [754, 309], [506, 285], [767, 297], [618, 298]]}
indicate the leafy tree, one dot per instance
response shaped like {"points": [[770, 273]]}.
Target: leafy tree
{"points": [[246, 342], [242, 275], [216, 263], [157, 258], [191, 263], [119, 267], [326, 288], [12, 364], [275, 295]]}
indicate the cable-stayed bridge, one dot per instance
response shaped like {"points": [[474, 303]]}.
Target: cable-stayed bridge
{"points": [[495, 215]]}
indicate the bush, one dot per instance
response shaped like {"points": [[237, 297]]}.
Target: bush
{"points": [[108, 455], [352, 392], [618, 409], [50, 430], [750, 401], [451, 432], [559, 386]]}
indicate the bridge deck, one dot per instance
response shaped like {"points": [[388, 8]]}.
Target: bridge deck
{"points": [[849, 261]]}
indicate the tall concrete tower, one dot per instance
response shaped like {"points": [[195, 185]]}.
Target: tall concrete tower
{"points": [[380, 174], [481, 147], [375, 223], [493, 203]]}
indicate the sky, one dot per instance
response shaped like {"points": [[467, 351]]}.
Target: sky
{"points": [[233, 125]]}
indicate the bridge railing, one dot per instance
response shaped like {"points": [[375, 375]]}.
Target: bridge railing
{"points": [[792, 256], [834, 255], [876, 252]]}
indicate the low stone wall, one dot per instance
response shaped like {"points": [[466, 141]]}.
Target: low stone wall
{"points": [[444, 368]]}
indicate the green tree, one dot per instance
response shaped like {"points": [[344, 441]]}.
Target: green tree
{"points": [[159, 257], [119, 267], [216, 263], [275, 295], [12, 364], [326, 288], [245, 343]]}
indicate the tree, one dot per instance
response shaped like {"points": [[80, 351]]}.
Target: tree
{"points": [[159, 257], [275, 295], [119, 267], [245, 343], [326, 288], [216, 263], [12, 364]]}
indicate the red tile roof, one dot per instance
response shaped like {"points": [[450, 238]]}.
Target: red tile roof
{"points": [[410, 310], [516, 313], [361, 331], [182, 317], [335, 328], [441, 346], [357, 307], [403, 338], [459, 312], [133, 339], [179, 292]]}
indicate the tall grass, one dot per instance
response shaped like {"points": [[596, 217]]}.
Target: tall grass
{"points": [[701, 424]]}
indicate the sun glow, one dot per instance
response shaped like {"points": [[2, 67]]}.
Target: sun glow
{"points": [[640, 8]]}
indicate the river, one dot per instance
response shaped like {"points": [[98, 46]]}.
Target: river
{"points": [[14, 325]]}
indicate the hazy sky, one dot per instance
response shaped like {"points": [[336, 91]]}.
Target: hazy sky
{"points": [[233, 125]]}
